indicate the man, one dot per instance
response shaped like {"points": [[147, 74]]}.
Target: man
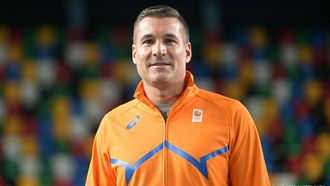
{"points": [[173, 133]]}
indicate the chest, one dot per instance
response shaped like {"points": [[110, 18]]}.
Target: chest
{"points": [[192, 131]]}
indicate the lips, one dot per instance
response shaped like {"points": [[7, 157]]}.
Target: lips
{"points": [[159, 64]]}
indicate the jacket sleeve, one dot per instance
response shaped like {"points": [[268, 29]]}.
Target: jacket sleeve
{"points": [[100, 171], [246, 164]]}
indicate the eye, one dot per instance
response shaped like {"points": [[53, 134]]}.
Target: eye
{"points": [[147, 42], [170, 41]]}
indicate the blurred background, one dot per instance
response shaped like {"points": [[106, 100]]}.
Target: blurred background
{"points": [[64, 64]]}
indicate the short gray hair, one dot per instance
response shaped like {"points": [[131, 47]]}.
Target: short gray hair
{"points": [[161, 11]]}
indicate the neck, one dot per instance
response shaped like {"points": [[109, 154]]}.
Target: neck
{"points": [[165, 94]]}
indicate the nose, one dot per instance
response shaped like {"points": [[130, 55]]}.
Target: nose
{"points": [[159, 50]]}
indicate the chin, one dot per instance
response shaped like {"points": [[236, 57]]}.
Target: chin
{"points": [[161, 79]]}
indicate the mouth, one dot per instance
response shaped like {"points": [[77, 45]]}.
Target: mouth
{"points": [[159, 64]]}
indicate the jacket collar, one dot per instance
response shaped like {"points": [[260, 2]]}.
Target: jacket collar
{"points": [[189, 91]]}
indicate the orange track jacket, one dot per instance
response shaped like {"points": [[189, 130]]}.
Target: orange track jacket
{"points": [[207, 140]]}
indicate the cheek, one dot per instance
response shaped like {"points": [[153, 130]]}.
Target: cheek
{"points": [[181, 55], [140, 66], [141, 53]]}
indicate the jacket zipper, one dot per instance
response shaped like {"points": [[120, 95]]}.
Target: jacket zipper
{"points": [[164, 154], [164, 139]]}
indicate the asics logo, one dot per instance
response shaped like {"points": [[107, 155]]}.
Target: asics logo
{"points": [[133, 122]]}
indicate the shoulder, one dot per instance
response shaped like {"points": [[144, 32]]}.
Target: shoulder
{"points": [[114, 118], [233, 109], [117, 111], [220, 101]]}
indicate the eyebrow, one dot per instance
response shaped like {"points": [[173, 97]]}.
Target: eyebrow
{"points": [[172, 36], [148, 36]]}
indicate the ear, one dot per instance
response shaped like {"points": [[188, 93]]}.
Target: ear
{"points": [[133, 53], [188, 52]]}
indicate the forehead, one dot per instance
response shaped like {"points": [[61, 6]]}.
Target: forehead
{"points": [[159, 27]]}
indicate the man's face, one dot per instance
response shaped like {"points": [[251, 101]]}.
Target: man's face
{"points": [[160, 51]]}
